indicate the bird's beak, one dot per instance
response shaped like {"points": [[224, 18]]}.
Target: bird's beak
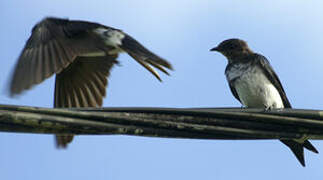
{"points": [[215, 49]]}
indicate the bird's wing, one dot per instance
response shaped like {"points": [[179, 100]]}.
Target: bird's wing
{"points": [[83, 83], [52, 46], [233, 91], [273, 78], [231, 83], [143, 56], [296, 147]]}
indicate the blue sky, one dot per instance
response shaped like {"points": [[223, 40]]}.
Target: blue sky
{"points": [[288, 33]]}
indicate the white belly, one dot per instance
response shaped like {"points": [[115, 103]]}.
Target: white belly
{"points": [[255, 90]]}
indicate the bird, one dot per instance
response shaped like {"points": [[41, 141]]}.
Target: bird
{"points": [[254, 83], [81, 54]]}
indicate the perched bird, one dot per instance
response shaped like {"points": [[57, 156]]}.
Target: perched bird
{"points": [[81, 54], [254, 83]]}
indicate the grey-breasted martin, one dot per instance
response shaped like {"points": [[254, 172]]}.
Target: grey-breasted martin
{"points": [[254, 83], [81, 54]]}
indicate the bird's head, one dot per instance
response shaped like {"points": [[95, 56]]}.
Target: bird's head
{"points": [[233, 49]]}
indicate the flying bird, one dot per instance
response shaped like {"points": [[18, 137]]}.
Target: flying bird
{"points": [[255, 84], [81, 54]]}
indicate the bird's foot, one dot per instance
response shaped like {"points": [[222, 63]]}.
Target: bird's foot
{"points": [[268, 108]]}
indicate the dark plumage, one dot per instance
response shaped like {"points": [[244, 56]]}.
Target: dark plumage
{"points": [[254, 83], [81, 54]]}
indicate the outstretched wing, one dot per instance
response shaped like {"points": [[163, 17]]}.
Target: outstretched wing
{"points": [[83, 83], [52, 46]]}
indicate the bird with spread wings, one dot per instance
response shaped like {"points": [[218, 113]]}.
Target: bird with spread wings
{"points": [[81, 54]]}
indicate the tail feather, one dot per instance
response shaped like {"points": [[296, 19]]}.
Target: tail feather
{"points": [[307, 144], [145, 57], [297, 149], [158, 66], [149, 68]]}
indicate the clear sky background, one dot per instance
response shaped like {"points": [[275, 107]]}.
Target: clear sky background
{"points": [[288, 33]]}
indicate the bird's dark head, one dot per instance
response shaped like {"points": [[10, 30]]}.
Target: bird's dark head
{"points": [[233, 48]]}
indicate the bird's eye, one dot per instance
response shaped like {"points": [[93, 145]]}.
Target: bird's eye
{"points": [[232, 46]]}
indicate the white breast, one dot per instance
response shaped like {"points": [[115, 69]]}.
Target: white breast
{"points": [[253, 87]]}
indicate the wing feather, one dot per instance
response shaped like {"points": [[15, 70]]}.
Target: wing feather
{"points": [[84, 81], [273, 78], [52, 46]]}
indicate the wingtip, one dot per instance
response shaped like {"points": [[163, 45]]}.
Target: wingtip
{"points": [[63, 140], [59, 146], [171, 67], [12, 94], [166, 64], [13, 91], [157, 76]]}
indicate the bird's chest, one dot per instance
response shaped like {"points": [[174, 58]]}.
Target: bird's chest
{"points": [[253, 87]]}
